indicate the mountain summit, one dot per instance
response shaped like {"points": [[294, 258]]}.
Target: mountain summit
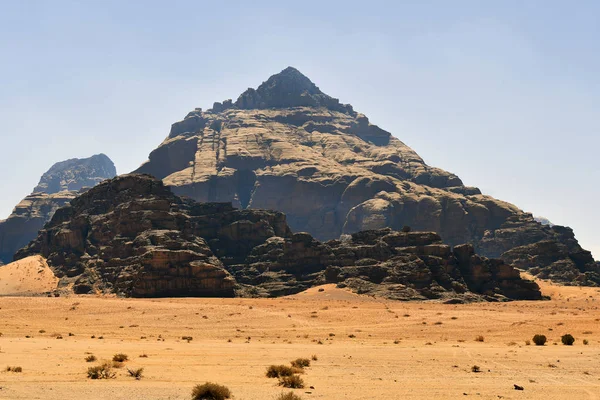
{"points": [[289, 88], [289, 147]]}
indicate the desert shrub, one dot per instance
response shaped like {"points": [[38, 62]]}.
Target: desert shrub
{"points": [[120, 357], [14, 369], [144, 355], [314, 357], [567, 339], [475, 368], [301, 363], [527, 342], [136, 373], [539, 340], [210, 391], [276, 371], [117, 364], [292, 382], [479, 338], [288, 396], [91, 358], [585, 342], [102, 371]]}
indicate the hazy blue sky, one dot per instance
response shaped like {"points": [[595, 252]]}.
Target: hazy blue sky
{"points": [[503, 93]]}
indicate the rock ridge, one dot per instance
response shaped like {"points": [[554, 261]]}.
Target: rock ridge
{"points": [[132, 236]]}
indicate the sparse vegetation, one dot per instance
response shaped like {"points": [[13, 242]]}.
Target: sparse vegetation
{"points": [[278, 371], [585, 342], [102, 371], [314, 357], [120, 357], [301, 363], [91, 358], [475, 368], [292, 382], [479, 338], [136, 373], [539, 340], [210, 391], [288, 396], [14, 369], [567, 339]]}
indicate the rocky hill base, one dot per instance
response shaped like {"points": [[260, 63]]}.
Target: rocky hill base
{"points": [[132, 236]]}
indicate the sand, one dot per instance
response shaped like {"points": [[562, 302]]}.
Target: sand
{"points": [[30, 275], [416, 350]]}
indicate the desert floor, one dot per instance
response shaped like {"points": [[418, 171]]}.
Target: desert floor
{"points": [[416, 350]]}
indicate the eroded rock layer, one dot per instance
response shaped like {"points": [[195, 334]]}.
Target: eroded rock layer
{"points": [[132, 236], [287, 146], [59, 185]]}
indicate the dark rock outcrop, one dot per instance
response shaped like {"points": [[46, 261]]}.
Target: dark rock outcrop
{"points": [[59, 185], [287, 146], [132, 236]]}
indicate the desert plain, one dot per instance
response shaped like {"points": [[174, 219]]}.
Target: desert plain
{"points": [[365, 347]]}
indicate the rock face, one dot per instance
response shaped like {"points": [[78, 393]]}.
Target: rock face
{"points": [[76, 174], [132, 236], [61, 184], [287, 146]]}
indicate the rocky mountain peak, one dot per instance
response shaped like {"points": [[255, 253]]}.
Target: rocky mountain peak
{"points": [[75, 174], [289, 88]]}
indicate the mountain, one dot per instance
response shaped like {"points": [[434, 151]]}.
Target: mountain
{"points": [[132, 236], [76, 174], [59, 185], [288, 146]]}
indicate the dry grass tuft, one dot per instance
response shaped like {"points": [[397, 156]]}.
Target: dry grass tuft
{"points": [[120, 357], [292, 382], [301, 363], [210, 391], [288, 396], [102, 371], [278, 371], [136, 373]]}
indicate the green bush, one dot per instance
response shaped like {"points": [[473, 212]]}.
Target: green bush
{"points": [[539, 340], [567, 339], [210, 391]]}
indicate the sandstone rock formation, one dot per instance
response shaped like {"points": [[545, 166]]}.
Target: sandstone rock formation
{"points": [[59, 185], [287, 146], [132, 236]]}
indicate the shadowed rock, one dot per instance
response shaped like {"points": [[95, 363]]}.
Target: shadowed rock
{"points": [[132, 236]]}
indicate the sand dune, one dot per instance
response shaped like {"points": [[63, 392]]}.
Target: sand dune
{"points": [[28, 276]]}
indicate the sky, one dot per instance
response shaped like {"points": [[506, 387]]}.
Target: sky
{"points": [[503, 93]]}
